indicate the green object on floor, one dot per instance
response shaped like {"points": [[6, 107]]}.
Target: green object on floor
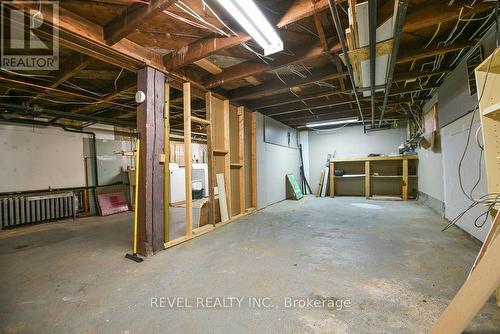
{"points": [[297, 193], [197, 194]]}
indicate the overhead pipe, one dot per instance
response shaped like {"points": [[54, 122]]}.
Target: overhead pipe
{"points": [[372, 40], [67, 115], [340, 34], [400, 18]]}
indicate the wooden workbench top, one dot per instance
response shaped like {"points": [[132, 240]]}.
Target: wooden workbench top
{"points": [[379, 158]]}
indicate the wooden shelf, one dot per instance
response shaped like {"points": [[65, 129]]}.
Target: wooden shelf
{"points": [[236, 165], [220, 152], [379, 158], [350, 175], [387, 176], [493, 111]]}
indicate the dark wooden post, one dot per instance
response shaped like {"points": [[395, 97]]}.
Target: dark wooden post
{"points": [[150, 126]]}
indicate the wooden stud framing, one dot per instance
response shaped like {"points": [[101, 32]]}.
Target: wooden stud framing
{"points": [[227, 157], [332, 179], [241, 157], [211, 164], [187, 157], [166, 168], [254, 159], [367, 179], [405, 180]]}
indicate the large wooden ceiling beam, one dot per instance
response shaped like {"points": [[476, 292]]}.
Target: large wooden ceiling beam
{"points": [[277, 86], [250, 68], [301, 9], [86, 37], [201, 49], [132, 18]]}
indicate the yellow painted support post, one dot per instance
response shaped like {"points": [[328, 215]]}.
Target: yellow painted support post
{"points": [[136, 196]]}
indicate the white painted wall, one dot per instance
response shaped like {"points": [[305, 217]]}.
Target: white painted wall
{"points": [[273, 163], [430, 165], [38, 158], [349, 142], [454, 137], [430, 173]]}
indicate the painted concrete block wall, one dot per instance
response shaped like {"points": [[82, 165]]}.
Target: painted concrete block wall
{"points": [[349, 142], [454, 137], [273, 163], [454, 105], [35, 158]]}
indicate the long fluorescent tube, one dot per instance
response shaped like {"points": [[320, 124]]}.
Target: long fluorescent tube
{"points": [[337, 122], [251, 19]]}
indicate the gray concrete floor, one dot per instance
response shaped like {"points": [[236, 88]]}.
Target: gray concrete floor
{"points": [[388, 259]]}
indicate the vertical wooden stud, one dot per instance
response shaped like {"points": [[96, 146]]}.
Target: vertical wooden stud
{"points": [[166, 169], [367, 178], [405, 180], [227, 158], [332, 179], [210, 151], [254, 159], [186, 89], [241, 156]]}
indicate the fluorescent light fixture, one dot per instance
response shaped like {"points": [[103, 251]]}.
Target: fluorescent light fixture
{"points": [[249, 16], [336, 122]]}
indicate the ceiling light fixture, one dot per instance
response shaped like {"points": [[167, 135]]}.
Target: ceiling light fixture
{"points": [[336, 122], [251, 19]]}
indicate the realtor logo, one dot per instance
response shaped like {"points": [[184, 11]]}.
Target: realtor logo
{"points": [[28, 40]]}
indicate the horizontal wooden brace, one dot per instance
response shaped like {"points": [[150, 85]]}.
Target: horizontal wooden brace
{"points": [[198, 120]]}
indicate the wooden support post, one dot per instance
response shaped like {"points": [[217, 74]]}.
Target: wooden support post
{"points": [[332, 179], [227, 158], [405, 180], [474, 293], [166, 169], [367, 179], [211, 165], [254, 159], [150, 127], [186, 89], [241, 157]]}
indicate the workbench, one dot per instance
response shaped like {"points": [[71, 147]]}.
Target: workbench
{"points": [[380, 177]]}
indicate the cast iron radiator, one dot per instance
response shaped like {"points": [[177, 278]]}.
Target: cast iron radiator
{"points": [[37, 208]]}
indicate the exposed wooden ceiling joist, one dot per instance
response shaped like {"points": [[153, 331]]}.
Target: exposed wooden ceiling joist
{"points": [[249, 68], [132, 18], [277, 86]]}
